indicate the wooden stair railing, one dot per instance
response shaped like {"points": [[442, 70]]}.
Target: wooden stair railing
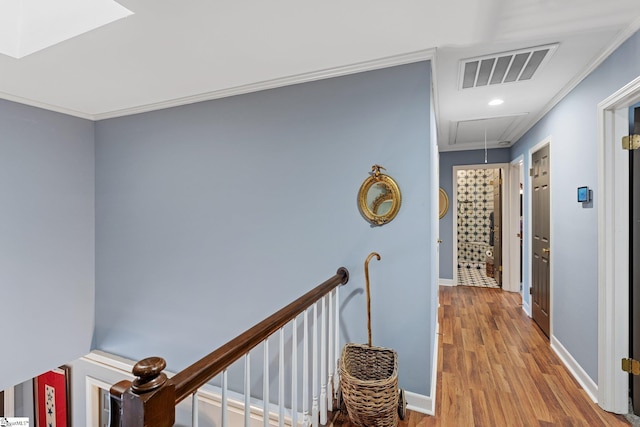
{"points": [[150, 400]]}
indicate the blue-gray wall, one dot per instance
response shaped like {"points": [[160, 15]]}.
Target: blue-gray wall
{"points": [[572, 128], [211, 216], [448, 160], [46, 240], [239, 205]]}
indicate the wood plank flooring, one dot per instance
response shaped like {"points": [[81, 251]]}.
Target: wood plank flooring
{"points": [[496, 368]]}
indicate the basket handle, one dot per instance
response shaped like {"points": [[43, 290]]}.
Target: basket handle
{"points": [[366, 278]]}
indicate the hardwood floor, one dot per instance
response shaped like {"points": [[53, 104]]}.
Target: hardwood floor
{"points": [[496, 368]]}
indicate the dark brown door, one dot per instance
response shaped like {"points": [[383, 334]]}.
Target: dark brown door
{"points": [[540, 292], [497, 226], [634, 253], [1, 403]]}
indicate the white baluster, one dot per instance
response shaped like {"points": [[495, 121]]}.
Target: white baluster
{"points": [[281, 380], [247, 390], [323, 363], [305, 370], [330, 385], [337, 344], [265, 385], [194, 409], [225, 414], [294, 373], [314, 371]]}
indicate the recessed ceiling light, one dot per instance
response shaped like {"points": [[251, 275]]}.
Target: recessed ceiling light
{"points": [[27, 26], [495, 102]]}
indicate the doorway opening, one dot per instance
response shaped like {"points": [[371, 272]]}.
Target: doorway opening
{"points": [[7, 405], [613, 248], [634, 252], [478, 227]]}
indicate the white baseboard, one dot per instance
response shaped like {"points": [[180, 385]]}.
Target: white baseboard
{"points": [[419, 403], [526, 308], [446, 282], [575, 369], [111, 362]]}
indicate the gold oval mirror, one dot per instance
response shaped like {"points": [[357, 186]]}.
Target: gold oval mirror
{"points": [[379, 197], [444, 203]]}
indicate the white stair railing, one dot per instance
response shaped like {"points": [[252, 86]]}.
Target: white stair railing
{"points": [[147, 401], [247, 389], [322, 352], [294, 372], [314, 372]]}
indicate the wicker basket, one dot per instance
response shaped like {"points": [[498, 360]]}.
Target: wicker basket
{"points": [[369, 383]]}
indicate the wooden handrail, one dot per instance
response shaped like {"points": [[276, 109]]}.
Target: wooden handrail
{"points": [[147, 401], [198, 374]]}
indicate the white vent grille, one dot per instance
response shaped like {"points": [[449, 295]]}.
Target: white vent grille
{"points": [[506, 67]]}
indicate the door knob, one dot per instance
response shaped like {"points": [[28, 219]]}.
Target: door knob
{"points": [[439, 240], [546, 250]]}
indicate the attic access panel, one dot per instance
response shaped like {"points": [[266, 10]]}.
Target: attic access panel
{"points": [[472, 131]]}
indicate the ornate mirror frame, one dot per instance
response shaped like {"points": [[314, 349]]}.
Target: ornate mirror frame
{"points": [[369, 204], [444, 202]]}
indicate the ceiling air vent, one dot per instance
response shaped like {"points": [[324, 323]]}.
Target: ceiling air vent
{"points": [[506, 67]]}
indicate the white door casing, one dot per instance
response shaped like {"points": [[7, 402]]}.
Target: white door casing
{"points": [[506, 228], [512, 281], [613, 247]]}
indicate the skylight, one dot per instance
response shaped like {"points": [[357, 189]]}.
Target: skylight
{"points": [[27, 26]]}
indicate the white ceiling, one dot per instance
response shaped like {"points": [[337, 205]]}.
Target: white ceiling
{"points": [[174, 52]]}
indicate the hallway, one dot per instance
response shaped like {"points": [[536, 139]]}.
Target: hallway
{"points": [[496, 368]]}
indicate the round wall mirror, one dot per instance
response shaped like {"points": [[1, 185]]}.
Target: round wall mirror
{"points": [[444, 203], [379, 197]]}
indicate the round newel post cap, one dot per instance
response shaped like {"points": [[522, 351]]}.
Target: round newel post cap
{"points": [[149, 375]]}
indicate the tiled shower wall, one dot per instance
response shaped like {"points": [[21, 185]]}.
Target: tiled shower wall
{"points": [[475, 203]]}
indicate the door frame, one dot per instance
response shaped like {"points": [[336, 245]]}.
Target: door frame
{"points": [[613, 247], [9, 402], [515, 172], [506, 225]]}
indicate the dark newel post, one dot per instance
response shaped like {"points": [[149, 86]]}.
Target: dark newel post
{"points": [[116, 392], [151, 399]]}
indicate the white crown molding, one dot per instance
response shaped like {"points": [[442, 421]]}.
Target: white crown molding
{"points": [[50, 107], [472, 147], [391, 61]]}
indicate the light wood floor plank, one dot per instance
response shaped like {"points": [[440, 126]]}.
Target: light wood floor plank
{"points": [[496, 368]]}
